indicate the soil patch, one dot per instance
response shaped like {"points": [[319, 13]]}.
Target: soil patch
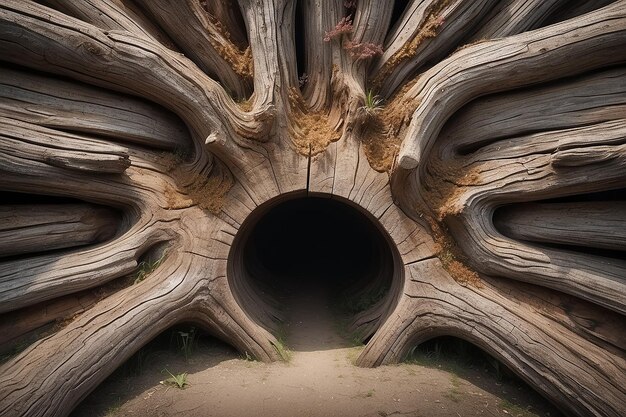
{"points": [[320, 380]]}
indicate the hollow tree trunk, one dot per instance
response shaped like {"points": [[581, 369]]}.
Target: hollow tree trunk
{"points": [[136, 130]]}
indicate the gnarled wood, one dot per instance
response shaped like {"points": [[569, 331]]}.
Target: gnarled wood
{"points": [[521, 60], [32, 144], [25, 228], [495, 179], [62, 105], [498, 321], [204, 42], [595, 225]]}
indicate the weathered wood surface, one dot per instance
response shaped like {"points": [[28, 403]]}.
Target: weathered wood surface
{"points": [[18, 326], [498, 318], [70, 106], [31, 229], [113, 103], [592, 225], [510, 17], [428, 32], [528, 58], [204, 43], [29, 144], [507, 119]]}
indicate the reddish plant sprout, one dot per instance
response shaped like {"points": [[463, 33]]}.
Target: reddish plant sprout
{"points": [[344, 26], [361, 51]]}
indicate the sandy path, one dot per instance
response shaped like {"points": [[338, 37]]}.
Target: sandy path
{"points": [[319, 381]]}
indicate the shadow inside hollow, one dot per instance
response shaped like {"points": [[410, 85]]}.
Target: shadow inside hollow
{"points": [[322, 260]]}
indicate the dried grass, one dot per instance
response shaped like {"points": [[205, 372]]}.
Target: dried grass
{"points": [[381, 133], [446, 182], [311, 131], [210, 193], [240, 60], [379, 144], [451, 256], [207, 192]]}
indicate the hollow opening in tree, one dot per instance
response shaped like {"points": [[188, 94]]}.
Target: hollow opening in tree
{"points": [[318, 250]]}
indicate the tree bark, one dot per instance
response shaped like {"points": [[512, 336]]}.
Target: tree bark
{"points": [[134, 130]]}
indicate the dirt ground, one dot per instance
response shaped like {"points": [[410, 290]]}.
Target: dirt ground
{"points": [[319, 380]]}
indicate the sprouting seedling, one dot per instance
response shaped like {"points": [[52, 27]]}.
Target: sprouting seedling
{"points": [[179, 380], [373, 104]]}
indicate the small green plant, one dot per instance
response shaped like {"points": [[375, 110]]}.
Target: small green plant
{"points": [[280, 345], [114, 409], [356, 339], [441, 354], [516, 410], [282, 349], [353, 353], [146, 268], [179, 380], [373, 104], [454, 394]]}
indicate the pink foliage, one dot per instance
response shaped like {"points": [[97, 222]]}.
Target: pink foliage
{"points": [[344, 26], [364, 50], [356, 50]]}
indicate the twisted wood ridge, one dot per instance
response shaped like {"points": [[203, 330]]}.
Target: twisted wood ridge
{"points": [[135, 130]]}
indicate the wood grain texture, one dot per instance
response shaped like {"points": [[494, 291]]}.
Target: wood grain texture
{"points": [[510, 17], [70, 106], [586, 224], [502, 209], [522, 60], [29, 228], [197, 35], [499, 323], [428, 32]]}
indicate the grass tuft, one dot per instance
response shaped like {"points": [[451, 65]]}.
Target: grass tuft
{"points": [[179, 380], [282, 349], [373, 104], [146, 268], [515, 410]]}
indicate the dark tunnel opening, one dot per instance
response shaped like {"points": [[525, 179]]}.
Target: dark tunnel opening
{"points": [[314, 238], [292, 250]]}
